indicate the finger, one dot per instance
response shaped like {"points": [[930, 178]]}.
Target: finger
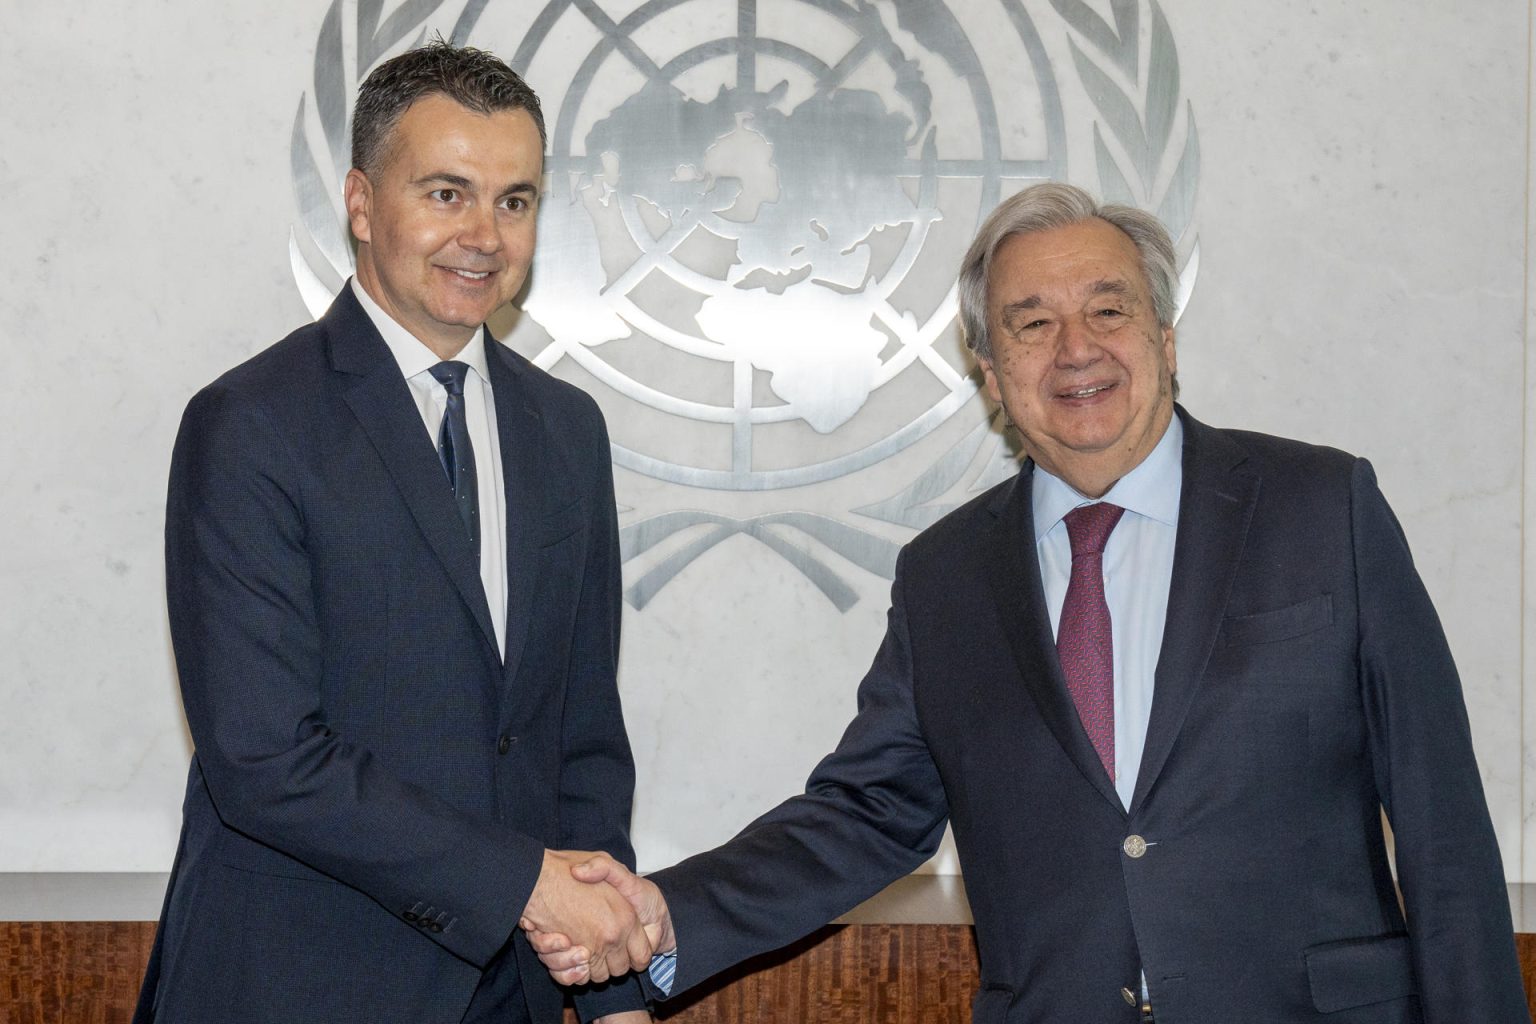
{"points": [[574, 976], [597, 970], [640, 948], [564, 960], [550, 942], [616, 961], [595, 869]]}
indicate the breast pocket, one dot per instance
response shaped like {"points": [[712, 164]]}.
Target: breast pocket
{"points": [[1286, 623], [557, 563], [559, 525]]}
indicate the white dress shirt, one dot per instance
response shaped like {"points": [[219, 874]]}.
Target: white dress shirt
{"points": [[416, 362], [1138, 567]]}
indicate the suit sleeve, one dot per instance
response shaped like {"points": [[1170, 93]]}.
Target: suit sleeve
{"points": [[872, 811], [597, 771], [1421, 746], [244, 624]]}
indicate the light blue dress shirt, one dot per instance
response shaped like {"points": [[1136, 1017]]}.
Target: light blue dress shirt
{"points": [[1138, 567]]}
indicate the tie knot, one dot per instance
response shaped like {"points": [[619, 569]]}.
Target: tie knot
{"points": [[450, 374], [1089, 526]]}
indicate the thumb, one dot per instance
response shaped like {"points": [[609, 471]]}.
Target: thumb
{"points": [[596, 869]]}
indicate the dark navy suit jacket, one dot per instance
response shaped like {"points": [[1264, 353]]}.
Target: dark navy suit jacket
{"points": [[1304, 684], [373, 787]]}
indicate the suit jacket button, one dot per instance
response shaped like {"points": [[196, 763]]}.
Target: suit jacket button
{"points": [[504, 744], [435, 926], [1128, 996], [409, 916], [1134, 847]]}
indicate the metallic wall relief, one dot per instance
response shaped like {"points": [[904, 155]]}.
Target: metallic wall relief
{"points": [[753, 216]]}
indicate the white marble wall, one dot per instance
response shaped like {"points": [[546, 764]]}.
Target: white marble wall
{"points": [[1362, 217]]}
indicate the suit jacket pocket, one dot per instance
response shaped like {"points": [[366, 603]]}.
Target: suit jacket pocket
{"points": [[558, 525], [1358, 972], [991, 1005], [1281, 624], [243, 854]]}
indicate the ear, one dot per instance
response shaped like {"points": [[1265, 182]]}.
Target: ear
{"points": [[358, 194], [994, 390], [1170, 352]]}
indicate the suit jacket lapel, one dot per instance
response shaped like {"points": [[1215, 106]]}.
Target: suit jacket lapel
{"points": [[382, 403], [1015, 578], [1215, 507], [519, 429]]}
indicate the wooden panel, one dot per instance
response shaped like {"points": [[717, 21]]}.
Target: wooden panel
{"points": [[1525, 948], [72, 973], [89, 973], [893, 974]]}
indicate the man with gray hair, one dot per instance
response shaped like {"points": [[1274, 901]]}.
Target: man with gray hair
{"points": [[1163, 684]]}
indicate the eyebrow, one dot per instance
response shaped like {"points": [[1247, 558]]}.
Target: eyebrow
{"points": [[1111, 287], [444, 178], [458, 181]]}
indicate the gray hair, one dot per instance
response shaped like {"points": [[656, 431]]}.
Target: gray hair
{"points": [[1052, 205]]}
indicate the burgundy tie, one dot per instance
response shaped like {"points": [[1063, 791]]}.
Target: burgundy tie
{"points": [[1084, 639]]}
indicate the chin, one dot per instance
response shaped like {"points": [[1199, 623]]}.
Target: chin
{"points": [[465, 318]]}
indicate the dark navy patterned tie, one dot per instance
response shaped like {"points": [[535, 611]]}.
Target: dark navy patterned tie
{"points": [[455, 451], [1084, 639]]}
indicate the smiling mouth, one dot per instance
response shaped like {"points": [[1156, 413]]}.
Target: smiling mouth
{"points": [[1087, 392], [469, 275]]}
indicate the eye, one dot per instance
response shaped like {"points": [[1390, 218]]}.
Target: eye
{"points": [[1109, 313], [1020, 327], [516, 204], [446, 195]]}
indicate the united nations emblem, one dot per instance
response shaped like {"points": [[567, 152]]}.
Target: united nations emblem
{"points": [[753, 217]]}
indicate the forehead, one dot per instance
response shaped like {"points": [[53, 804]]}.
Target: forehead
{"points": [[436, 128], [1064, 263]]}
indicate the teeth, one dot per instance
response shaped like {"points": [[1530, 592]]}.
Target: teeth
{"points": [[1085, 392], [482, 275]]}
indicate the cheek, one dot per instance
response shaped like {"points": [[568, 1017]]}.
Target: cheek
{"points": [[1019, 378]]}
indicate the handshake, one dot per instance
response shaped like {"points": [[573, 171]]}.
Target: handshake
{"points": [[590, 918]]}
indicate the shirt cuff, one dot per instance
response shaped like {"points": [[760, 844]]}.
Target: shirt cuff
{"points": [[663, 970]]}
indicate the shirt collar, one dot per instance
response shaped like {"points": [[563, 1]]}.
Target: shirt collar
{"points": [[1151, 489], [409, 352]]}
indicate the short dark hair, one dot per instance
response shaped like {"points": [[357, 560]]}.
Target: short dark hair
{"points": [[472, 78]]}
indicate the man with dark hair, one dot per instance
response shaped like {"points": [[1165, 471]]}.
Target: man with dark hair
{"points": [[393, 585], [1163, 684]]}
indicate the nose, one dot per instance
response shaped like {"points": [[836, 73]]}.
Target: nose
{"points": [[479, 231], [1076, 345]]}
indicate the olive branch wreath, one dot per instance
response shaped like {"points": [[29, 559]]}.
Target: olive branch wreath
{"points": [[319, 276], [1142, 124]]}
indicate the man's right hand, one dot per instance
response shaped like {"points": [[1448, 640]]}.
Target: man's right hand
{"points": [[569, 961], [594, 918]]}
